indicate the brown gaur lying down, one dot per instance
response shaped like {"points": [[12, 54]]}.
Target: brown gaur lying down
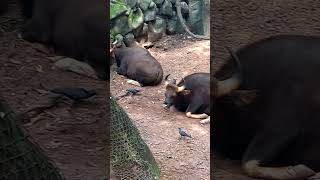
{"points": [[138, 65]]}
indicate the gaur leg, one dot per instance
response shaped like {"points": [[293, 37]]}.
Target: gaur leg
{"points": [[266, 147], [205, 121], [193, 107], [315, 177], [133, 82], [279, 129], [97, 60]]}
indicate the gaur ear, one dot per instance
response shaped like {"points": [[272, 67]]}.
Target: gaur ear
{"points": [[186, 92], [244, 97]]}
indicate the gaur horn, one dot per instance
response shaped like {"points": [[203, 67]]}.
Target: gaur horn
{"points": [[181, 88], [224, 87], [166, 81], [166, 78]]}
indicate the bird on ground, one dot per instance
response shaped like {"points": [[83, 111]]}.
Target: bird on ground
{"points": [[75, 94], [131, 92], [183, 133]]}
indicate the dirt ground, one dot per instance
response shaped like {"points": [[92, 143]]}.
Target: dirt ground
{"points": [[235, 23], [72, 135], [178, 159]]}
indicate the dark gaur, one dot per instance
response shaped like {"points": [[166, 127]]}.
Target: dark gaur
{"points": [[75, 28], [190, 95], [267, 114], [4, 6], [139, 65]]}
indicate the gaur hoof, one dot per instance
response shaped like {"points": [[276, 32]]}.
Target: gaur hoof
{"points": [[253, 169], [300, 171], [133, 82], [205, 121], [315, 177]]}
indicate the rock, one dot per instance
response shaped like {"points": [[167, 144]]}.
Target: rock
{"points": [[156, 29], [166, 8], [144, 4], [158, 25], [135, 18], [117, 9], [158, 2], [130, 41], [119, 38], [73, 65], [141, 31], [172, 24], [138, 31], [132, 3], [196, 16], [145, 29], [150, 14], [121, 26]]}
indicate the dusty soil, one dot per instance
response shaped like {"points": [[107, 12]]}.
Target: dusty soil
{"points": [[178, 159], [238, 22], [72, 135]]}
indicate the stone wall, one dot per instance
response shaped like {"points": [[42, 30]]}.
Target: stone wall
{"points": [[148, 20]]}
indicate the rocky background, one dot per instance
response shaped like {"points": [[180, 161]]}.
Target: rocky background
{"points": [[147, 20]]}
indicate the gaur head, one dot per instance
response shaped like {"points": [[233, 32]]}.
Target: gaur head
{"points": [[173, 91]]}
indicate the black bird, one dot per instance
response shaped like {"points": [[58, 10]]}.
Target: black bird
{"points": [[131, 92], [75, 94]]}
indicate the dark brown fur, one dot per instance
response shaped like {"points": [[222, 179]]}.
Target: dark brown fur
{"points": [[281, 126], [3, 6], [138, 64], [195, 98], [76, 28]]}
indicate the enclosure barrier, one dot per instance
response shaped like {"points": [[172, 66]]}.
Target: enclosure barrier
{"points": [[21, 158], [131, 159]]}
